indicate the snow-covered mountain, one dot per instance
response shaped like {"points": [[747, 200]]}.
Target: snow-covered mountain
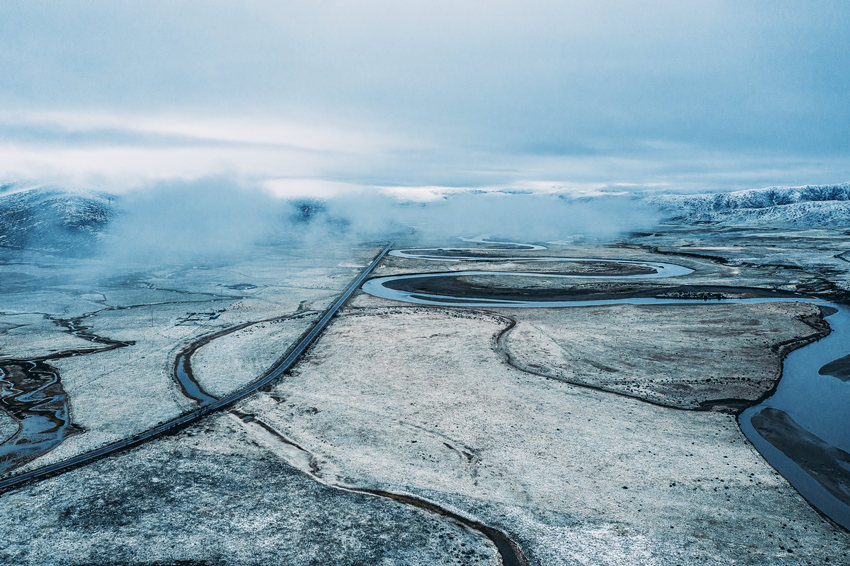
{"points": [[51, 219], [807, 206]]}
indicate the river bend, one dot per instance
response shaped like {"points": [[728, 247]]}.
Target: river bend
{"points": [[801, 429]]}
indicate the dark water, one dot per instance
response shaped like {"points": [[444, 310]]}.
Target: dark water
{"points": [[820, 464], [803, 429], [31, 393], [191, 388]]}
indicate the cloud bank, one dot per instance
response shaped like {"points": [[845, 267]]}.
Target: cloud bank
{"points": [[217, 220], [715, 96]]}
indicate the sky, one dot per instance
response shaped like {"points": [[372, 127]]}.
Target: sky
{"points": [[423, 97]]}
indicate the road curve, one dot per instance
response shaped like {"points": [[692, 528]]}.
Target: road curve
{"points": [[187, 419]]}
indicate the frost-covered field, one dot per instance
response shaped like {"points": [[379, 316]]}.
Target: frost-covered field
{"points": [[158, 312], [570, 431]]}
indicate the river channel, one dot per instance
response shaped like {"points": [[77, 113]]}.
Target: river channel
{"points": [[801, 429]]}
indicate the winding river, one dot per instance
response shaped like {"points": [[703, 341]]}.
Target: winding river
{"points": [[801, 429], [31, 393]]}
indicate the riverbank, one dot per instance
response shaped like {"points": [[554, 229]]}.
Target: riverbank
{"points": [[417, 400]]}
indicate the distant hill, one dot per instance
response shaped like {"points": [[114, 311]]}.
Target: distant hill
{"points": [[51, 219], [807, 206]]}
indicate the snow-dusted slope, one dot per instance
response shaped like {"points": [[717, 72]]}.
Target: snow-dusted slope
{"points": [[51, 219], [808, 206]]}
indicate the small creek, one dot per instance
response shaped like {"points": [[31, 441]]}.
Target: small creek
{"points": [[30, 392], [801, 429]]}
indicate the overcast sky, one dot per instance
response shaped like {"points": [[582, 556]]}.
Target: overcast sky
{"points": [[673, 95]]}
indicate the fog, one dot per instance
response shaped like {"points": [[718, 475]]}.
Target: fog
{"points": [[519, 217], [190, 221], [217, 219]]}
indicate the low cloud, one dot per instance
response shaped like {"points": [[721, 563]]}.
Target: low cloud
{"points": [[178, 222], [217, 219]]}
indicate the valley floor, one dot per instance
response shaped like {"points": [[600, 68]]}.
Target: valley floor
{"points": [[590, 435]]}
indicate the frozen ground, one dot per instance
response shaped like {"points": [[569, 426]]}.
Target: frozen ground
{"points": [[421, 401], [158, 312], [486, 413], [213, 495], [674, 355]]}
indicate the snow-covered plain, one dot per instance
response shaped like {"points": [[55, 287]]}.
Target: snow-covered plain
{"points": [[454, 406]]}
